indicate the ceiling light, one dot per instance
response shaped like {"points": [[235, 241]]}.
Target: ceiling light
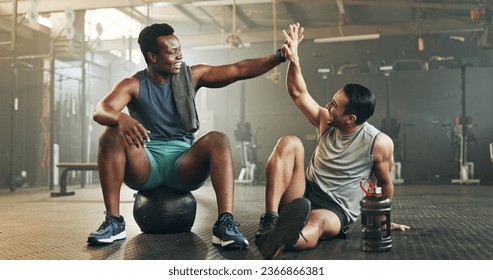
{"points": [[386, 68], [218, 47], [458, 38], [347, 38]]}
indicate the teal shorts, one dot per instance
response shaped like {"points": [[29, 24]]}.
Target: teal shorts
{"points": [[164, 158]]}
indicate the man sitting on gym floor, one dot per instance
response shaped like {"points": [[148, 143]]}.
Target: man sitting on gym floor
{"points": [[323, 202]]}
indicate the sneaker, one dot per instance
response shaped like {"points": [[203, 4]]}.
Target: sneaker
{"points": [[226, 234], [267, 222], [292, 219], [112, 229]]}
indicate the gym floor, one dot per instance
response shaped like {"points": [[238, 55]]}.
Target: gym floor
{"points": [[448, 222]]}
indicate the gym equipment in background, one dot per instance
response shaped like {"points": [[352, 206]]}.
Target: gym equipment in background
{"points": [[491, 152], [248, 172], [462, 130]]}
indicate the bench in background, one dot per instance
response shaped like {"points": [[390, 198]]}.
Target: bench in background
{"points": [[66, 167]]}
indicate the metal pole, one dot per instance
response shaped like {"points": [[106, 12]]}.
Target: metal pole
{"points": [[13, 47], [83, 108], [463, 115], [52, 115], [242, 101], [52, 111], [389, 101]]}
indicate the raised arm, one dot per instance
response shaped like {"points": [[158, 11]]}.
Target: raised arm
{"points": [[219, 76], [297, 88]]}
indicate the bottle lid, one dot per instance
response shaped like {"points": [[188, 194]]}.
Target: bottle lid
{"points": [[375, 190]]}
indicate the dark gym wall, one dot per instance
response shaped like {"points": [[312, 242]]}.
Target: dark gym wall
{"points": [[428, 102]]}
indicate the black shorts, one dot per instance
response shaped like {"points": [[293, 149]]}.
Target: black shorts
{"points": [[320, 200]]}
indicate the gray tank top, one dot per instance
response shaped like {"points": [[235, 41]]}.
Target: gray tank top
{"points": [[340, 163], [156, 110]]}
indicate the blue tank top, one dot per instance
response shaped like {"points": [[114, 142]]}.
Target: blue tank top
{"points": [[156, 110]]}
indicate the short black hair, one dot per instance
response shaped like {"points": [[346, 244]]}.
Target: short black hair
{"points": [[361, 103], [148, 37]]}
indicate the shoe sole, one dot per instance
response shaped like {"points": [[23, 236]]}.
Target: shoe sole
{"points": [[95, 241], [292, 220], [229, 244]]}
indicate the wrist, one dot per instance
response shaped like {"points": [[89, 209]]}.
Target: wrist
{"points": [[120, 118], [279, 56]]}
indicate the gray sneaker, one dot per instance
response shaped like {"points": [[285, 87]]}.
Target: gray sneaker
{"points": [[267, 222], [112, 229], [292, 219]]}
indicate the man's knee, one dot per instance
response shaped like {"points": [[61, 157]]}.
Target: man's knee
{"points": [[289, 144], [110, 137], [326, 222], [214, 139], [110, 132]]}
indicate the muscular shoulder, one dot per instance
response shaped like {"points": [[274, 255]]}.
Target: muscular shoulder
{"points": [[383, 147], [129, 86], [200, 67], [198, 70]]}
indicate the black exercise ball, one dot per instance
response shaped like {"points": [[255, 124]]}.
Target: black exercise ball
{"points": [[164, 210]]}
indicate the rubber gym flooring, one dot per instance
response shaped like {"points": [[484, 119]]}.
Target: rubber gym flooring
{"points": [[448, 222]]}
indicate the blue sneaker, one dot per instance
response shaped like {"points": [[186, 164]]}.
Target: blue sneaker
{"points": [[112, 229], [292, 219], [226, 234]]}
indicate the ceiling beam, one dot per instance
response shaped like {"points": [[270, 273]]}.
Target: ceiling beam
{"points": [[187, 13], [242, 17], [408, 27], [213, 19], [46, 6], [428, 27], [24, 31], [407, 4], [135, 14], [297, 15]]}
